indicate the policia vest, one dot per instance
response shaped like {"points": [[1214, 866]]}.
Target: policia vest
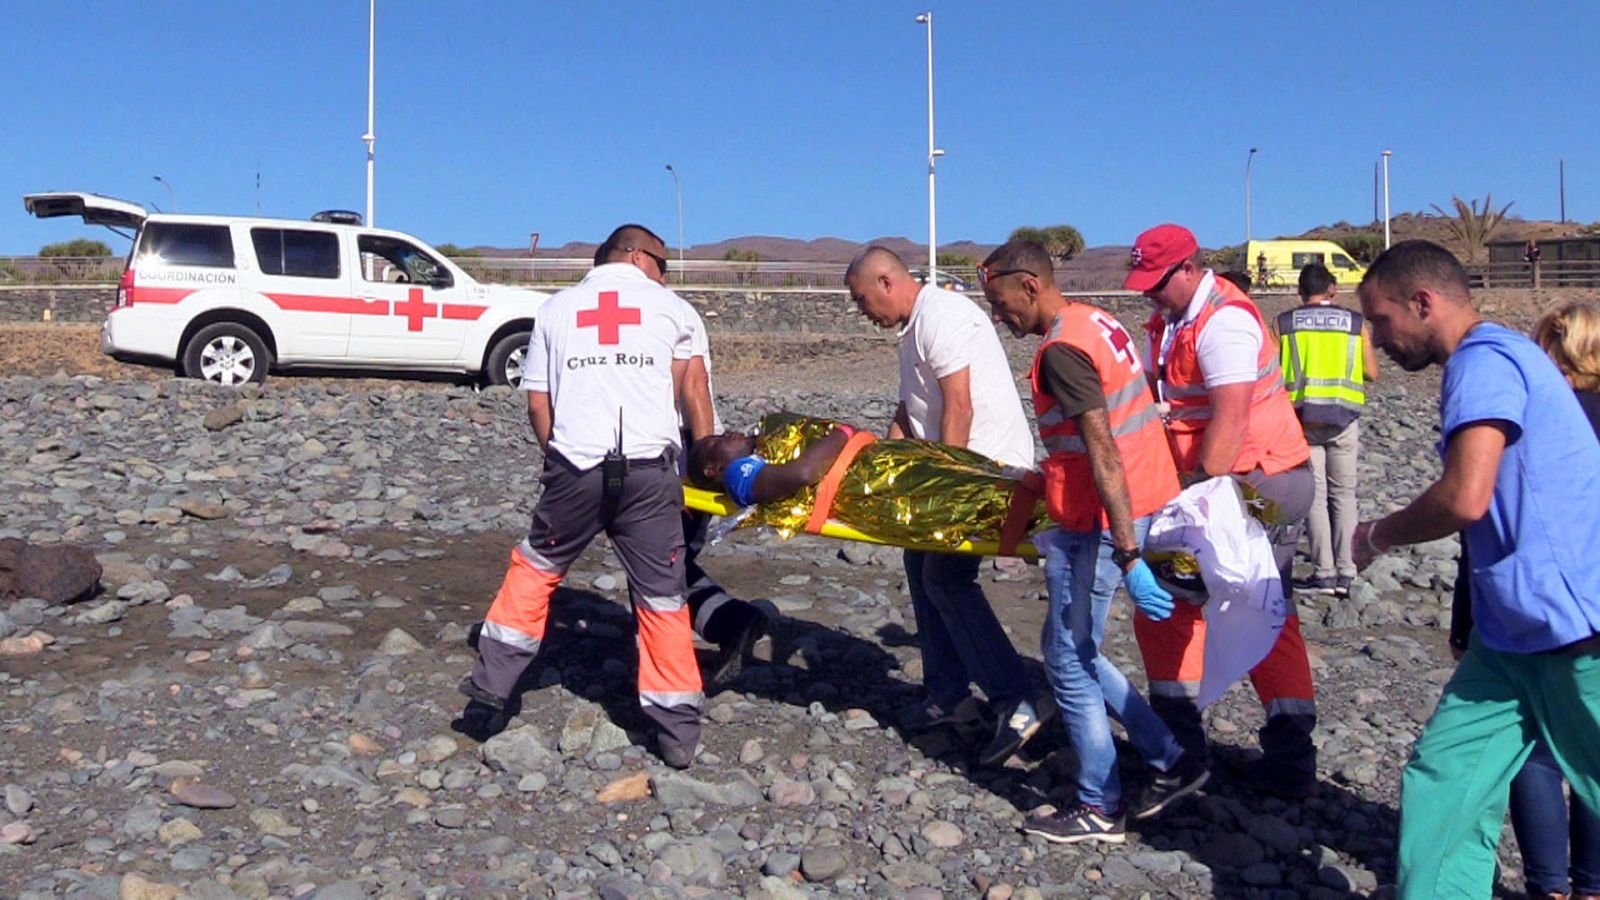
{"points": [[1323, 363]]}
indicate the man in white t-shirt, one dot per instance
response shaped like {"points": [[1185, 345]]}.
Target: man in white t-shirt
{"points": [[956, 387], [605, 372]]}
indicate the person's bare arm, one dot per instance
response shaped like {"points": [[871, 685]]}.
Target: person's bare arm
{"points": [[901, 426], [778, 480], [694, 399], [955, 423], [1230, 418], [1460, 497], [1369, 357], [1105, 465], [541, 417]]}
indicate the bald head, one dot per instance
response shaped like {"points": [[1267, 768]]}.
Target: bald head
{"points": [[882, 287], [874, 260]]}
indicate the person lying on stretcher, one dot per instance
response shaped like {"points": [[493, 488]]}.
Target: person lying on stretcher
{"points": [[900, 490]]}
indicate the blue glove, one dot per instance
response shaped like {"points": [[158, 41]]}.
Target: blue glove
{"points": [[1148, 596]]}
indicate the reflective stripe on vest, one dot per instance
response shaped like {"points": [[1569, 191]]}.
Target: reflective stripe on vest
{"points": [[1135, 424]]}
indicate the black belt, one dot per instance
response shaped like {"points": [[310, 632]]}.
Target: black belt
{"points": [[667, 459]]}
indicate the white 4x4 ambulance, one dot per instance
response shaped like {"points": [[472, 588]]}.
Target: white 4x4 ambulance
{"points": [[226, 298]]}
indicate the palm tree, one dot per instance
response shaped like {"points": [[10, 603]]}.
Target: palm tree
{"points": [[1472, 226]]}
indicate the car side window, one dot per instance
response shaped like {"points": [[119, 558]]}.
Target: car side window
{"points": [[183, 244], [1340, 261], [1301, 260], [392, 260], [300, 254]]}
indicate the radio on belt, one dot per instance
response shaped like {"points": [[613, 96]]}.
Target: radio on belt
{"points": [[614, 469]]}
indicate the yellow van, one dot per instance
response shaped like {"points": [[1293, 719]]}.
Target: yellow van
{"points": [[1277, 264]]}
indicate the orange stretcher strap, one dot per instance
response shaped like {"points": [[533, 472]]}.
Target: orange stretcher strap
{"points": [[1024, 497], [828, 488]]}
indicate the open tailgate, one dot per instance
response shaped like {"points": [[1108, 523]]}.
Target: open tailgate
{"points": [[93, 208]]}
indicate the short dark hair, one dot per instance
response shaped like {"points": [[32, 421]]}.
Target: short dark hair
{"points": [[1315, 280], [622, 234], [1240, 280], [1029, 255], [1409, 265]]}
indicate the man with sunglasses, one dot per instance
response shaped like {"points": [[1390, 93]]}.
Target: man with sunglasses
{"points": [[1217, 368], [605, 372], [956, 387], [720, 618], [1108, 471]]}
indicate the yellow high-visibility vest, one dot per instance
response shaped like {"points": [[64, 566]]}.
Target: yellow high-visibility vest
{"points": [[1323, 364]]}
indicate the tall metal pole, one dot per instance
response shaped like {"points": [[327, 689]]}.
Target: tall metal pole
{"points": [[1386, 238], [933, 154], [171, 194], [678, 189], [1247, 161], [369, 137], [1563, 192]]}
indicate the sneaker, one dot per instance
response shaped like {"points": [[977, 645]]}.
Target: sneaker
{"points": [[480, 721], [471, 691], [1341, 587], [1077, 824], [735, 651], [1326, 585], [966, 714], [1014, 729], [1183, 779]]}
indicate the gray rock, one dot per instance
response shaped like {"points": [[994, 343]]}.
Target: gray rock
{"points": [[18, 801], [1157, 862], [398, 643], [695, 861], [1262, 875], [823, 863], [519, 751], [675, 789]]}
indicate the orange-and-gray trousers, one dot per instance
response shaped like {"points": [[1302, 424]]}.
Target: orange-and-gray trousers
{"points": [[646, 530], [1174, 651]]}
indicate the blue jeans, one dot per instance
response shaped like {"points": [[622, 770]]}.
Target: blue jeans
{"points": [[1539, 819], [960, 638], [1082, 579]]}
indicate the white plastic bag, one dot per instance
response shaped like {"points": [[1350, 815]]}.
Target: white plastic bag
{"points": [[1245, 609]]}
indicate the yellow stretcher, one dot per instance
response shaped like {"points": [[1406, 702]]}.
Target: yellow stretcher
{"points": [[718, 504]]}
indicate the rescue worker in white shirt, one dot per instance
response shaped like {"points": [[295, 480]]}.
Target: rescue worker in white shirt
{"points": [[1327, 361], [956, 387], [719, 617], [605, 369], [1215, 364]]}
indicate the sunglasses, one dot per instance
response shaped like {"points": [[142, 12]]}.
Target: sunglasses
{"points": [[661, 261], [986, 274], [1165, 278]]}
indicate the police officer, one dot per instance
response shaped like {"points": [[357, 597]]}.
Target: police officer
{"points": [[604, 371], [1229, 415], [1327, 361]]}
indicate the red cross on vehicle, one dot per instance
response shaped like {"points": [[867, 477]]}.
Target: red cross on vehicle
{"points": [[608, 318], [415, 310]]}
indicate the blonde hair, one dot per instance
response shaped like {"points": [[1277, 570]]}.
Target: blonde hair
{"points": [[1570, 333]]}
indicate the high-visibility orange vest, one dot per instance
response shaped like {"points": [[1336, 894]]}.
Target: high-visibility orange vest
{"points": [[1273, 440], [1070, 494]]}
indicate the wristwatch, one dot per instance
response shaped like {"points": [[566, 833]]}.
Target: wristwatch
{"points": [[1123, 557]]}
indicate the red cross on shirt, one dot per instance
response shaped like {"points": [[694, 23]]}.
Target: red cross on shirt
{"points": [[415, 310], [608, 318]]}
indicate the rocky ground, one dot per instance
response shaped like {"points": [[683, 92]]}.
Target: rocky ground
{"points": [[260, 703]]}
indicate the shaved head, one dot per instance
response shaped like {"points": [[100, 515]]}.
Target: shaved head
{"points": [[630, 235], [874, 260]]}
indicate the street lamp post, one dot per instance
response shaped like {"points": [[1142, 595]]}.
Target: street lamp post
{"points": [[171, 194], [933, 154], [678, 189], [1386, 199], [369, 138], [1247, 161]]}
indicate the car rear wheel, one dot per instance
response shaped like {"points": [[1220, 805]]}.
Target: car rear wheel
{"points": [[506, 359], [227, 353]]}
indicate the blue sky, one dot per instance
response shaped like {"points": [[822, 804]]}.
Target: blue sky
{"points": [[801, 119]]}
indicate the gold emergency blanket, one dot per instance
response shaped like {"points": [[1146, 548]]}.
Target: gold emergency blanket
{"points": [[899, 491]]}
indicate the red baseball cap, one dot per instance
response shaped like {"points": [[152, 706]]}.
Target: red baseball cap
{"points": [[1155, 251]]}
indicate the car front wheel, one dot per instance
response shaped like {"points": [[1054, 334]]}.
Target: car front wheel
{"points": [[227, 353], [506, 359]]}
